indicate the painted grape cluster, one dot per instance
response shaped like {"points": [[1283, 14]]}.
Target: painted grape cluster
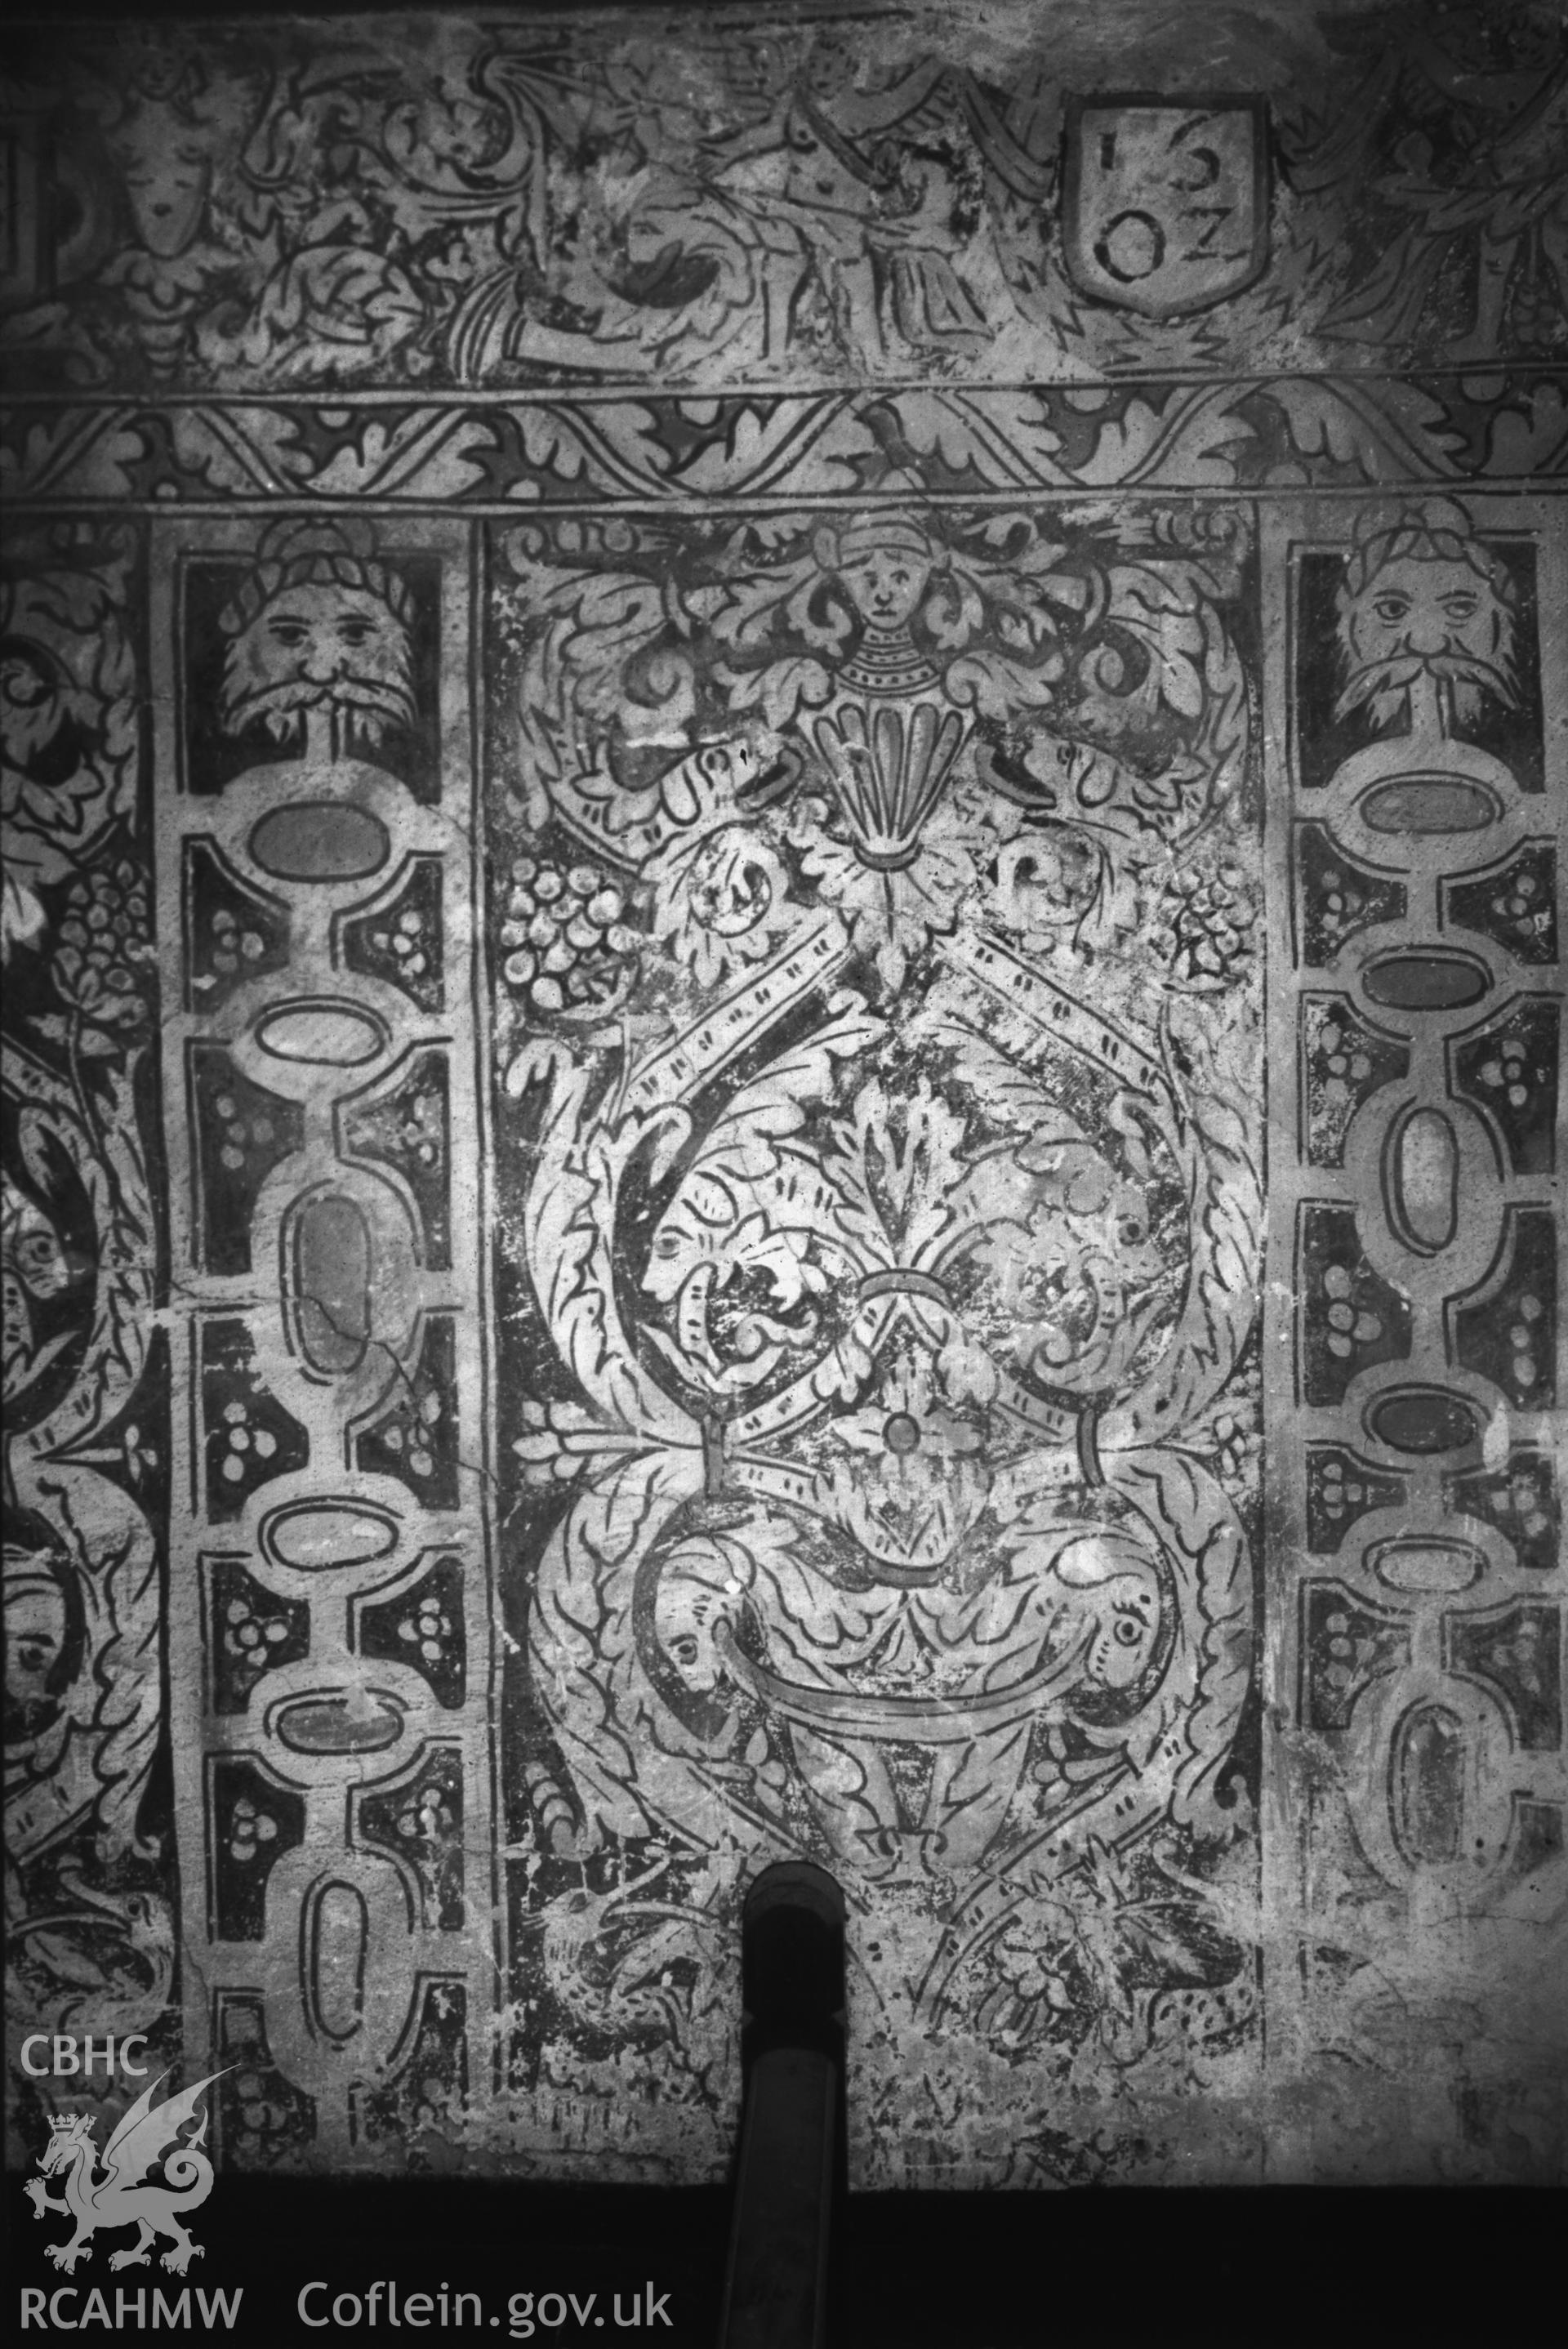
{"points": [[565, 937]]}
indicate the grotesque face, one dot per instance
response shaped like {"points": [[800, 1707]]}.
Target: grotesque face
{"points": [[1429, 614], [30, 702], [687, 1616], [34, 1642], [30, 1246], [167, 166], [885, 580], [320, 646], [1110, 1610]]}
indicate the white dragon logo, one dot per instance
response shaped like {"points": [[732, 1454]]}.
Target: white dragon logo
{"points": [[144, 2139]]}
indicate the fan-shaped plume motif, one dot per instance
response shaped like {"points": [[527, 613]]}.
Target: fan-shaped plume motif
{"points": [[890, 776]]}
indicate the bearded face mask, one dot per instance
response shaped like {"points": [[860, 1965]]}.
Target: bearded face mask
{"points": [[1425, 614], [320, 645]]}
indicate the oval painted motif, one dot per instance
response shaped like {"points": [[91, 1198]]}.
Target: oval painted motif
{"points": [[332, 1271], [331, 1033], [1429, 803], [350, 1723], [1431, 982], [1422, 1418], [320, 840], [1425, 1786], [1424, 1189], [337, 1938], [1436, 1565], [315, 1535]]}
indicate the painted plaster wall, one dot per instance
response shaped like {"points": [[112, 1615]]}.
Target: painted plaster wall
{"points": [[780, 1076]]}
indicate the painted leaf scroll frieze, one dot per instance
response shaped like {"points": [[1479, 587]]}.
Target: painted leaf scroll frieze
{"points": [[884, 1231]]}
